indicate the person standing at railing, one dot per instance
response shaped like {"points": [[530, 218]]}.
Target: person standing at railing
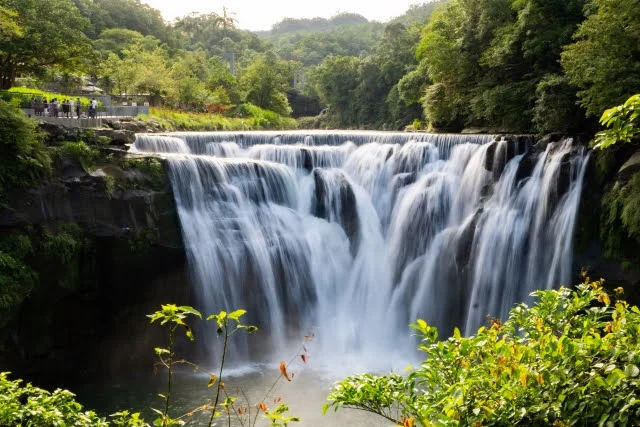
{"points": [[65, 108], [46, 107], [93, 108], [78, 107]]}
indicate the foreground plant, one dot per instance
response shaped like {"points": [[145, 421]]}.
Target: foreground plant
{"points": [[623, 122], [228, 324], [26, 405], [571, 359]]}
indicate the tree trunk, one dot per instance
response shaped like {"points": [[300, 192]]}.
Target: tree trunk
{"points": [[7, 78]]}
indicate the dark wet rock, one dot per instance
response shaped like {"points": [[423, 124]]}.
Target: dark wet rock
{"points": [[565, 175], [307, 159], [58, 132], [629, 168], [528, 162], [132, 260], [502, 150], [490, 155], [344, 209], [465, 239], [118, 137], [76, 196], [552, 137], [129, 125]]}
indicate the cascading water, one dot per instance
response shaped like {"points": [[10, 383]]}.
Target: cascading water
{"points": [[362, 233]]}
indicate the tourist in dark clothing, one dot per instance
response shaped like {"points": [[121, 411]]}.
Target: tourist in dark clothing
{"points": [[78, 106], [65, 108]]}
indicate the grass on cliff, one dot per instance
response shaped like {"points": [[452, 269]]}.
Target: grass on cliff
{"points": [[247, 117]]}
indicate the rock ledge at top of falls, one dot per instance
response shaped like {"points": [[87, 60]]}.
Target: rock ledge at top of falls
{"points": [[134, 125], [75, 195], [56, 131]]}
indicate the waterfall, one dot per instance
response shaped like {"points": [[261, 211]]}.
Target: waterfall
{"points": [[361, 233]]}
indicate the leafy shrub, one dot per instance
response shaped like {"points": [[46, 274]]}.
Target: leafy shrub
{"points": [[17, 279], [556, 107], [623, 121], [26, 405], [80, 151], [439, 111], [90, 137], [620, 218], [571, 359], [25, 159], [316, 122], [149, 166]]}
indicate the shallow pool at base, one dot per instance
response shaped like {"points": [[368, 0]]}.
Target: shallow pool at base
{"points": [[304, 395]]}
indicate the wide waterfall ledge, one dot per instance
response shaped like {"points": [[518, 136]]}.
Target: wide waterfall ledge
{"points": [[361, 233]]}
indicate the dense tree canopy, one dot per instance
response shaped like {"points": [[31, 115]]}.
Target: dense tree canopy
{"points": [[604, 60], [37, 40], [504, 65]]}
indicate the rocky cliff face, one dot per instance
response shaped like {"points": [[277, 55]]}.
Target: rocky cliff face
{"points": [[607, 234], [85, 315]]}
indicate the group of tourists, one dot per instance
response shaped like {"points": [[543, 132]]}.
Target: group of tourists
{"points": [[55, 108]]}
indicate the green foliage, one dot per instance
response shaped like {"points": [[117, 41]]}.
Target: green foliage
{"points": [[26, 405], [556, 107], [83, 153], [25, 160], [620, 219], [151, 167], [312, 48], [17, 279], [277, 416], [336, 81], [9, 28], [316, 122], [51, 35], [623, 121], [267, 80], [22, 96], [127, 419], [247, 117], [316, 25], [603, 61], [141, 243], [438, 112], [489, 57], [54, 251], [227, 325], [570, 359], [418, 13], [132, 15]]}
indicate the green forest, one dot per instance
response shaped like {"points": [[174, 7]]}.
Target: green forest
{"points": [[504, 65]]}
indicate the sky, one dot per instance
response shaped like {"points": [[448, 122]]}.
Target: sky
{"points": [[262, 14]]}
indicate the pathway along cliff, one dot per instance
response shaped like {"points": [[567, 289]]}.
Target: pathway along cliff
{"points": [[361, 233]]}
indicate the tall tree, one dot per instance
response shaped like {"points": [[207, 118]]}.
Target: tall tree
{"points": [[51, 36], [267, 80], [336, 81], [604, 60]]}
